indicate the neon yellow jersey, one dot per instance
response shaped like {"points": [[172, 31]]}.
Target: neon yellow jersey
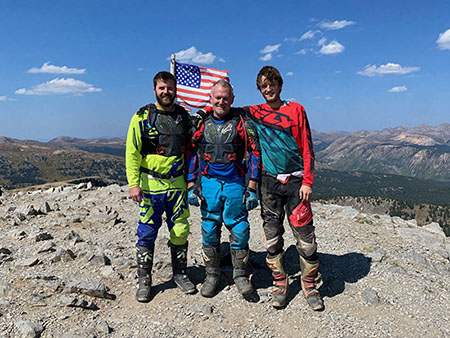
{"points": [[172, 165]]}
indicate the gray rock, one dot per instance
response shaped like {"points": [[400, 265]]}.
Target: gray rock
{"points": [[123, 262], [28, 328], [396, 269], [29, 262], [63, 255], [20, 234], [37, 300], [5, 251], [45, 208], [74, 198], [100, 327], [100, 260], [434, 228], [44, 236], [81, 186], [19, 217], [53, 285], [205, 309], [420, 260], [371, 296], [72, 235], [399, 222], [5, 258], [109, 272], [89, 288], [28, 210], [431, 240], [79, 333], [47, 247], [4, 302], [6, 290], [75, 302], [377, 255]]}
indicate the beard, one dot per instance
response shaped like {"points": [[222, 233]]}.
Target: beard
{"points": [[165, 100]]}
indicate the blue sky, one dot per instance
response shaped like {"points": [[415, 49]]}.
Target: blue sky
{"points": [[82, 68]]}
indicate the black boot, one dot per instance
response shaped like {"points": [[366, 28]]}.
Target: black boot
{"points": [[179, 265], [144, 257], [211, 258], [239, 258], [311, 281]]}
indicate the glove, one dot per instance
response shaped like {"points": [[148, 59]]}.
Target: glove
{"points": [[198, 118], [193, 196], [251, 199]]}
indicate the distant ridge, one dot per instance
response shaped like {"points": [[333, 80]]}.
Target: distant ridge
{"points": [[422, 152]]}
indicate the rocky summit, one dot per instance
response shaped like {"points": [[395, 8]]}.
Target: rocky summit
{"points": [[67, 269]]}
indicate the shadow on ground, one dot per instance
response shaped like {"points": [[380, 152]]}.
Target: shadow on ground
{"points": [[336, 270]]}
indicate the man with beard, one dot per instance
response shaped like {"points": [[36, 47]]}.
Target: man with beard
{"points": [[157, 140]]}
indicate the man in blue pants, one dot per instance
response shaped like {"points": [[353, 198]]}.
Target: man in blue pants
{"points": [[219, 147]]}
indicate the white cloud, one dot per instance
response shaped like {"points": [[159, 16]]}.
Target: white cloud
{"points": [[194, 56], [333, 47], [301, 52], [289, 73], [60, 86], [140, 69], [222, 60], [48, 68], [330, 26], [444, 40], [398, 89], [321, 41], [389, 68], [309, 35], [5, 98], [270, 49], [328, 97], [266, 57]]}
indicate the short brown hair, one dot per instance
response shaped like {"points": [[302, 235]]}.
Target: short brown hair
{"points": [[164, 76], [271, 74]]}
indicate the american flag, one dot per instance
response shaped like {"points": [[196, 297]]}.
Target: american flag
{"points": [[194, 83]]}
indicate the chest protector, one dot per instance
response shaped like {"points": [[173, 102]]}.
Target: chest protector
{"points": [[171, 135], [222, 143]]}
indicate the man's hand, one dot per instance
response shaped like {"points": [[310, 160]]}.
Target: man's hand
{"points": [[305, 193], [193, 196], [136, 194], [199, 117], [251, 199]]}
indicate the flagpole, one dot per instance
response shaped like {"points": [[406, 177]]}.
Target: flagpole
{"points": [[172, 64]]}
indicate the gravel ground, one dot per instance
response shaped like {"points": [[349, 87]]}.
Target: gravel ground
{"points": [[67, 269]]}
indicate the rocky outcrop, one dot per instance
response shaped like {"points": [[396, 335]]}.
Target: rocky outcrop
{"points": [[67, 269]]}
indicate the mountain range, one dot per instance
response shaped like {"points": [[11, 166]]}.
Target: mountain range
{"points": [[422, 152]]}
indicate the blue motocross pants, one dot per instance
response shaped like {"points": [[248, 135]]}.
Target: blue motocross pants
{"points": [[223, 202]]}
